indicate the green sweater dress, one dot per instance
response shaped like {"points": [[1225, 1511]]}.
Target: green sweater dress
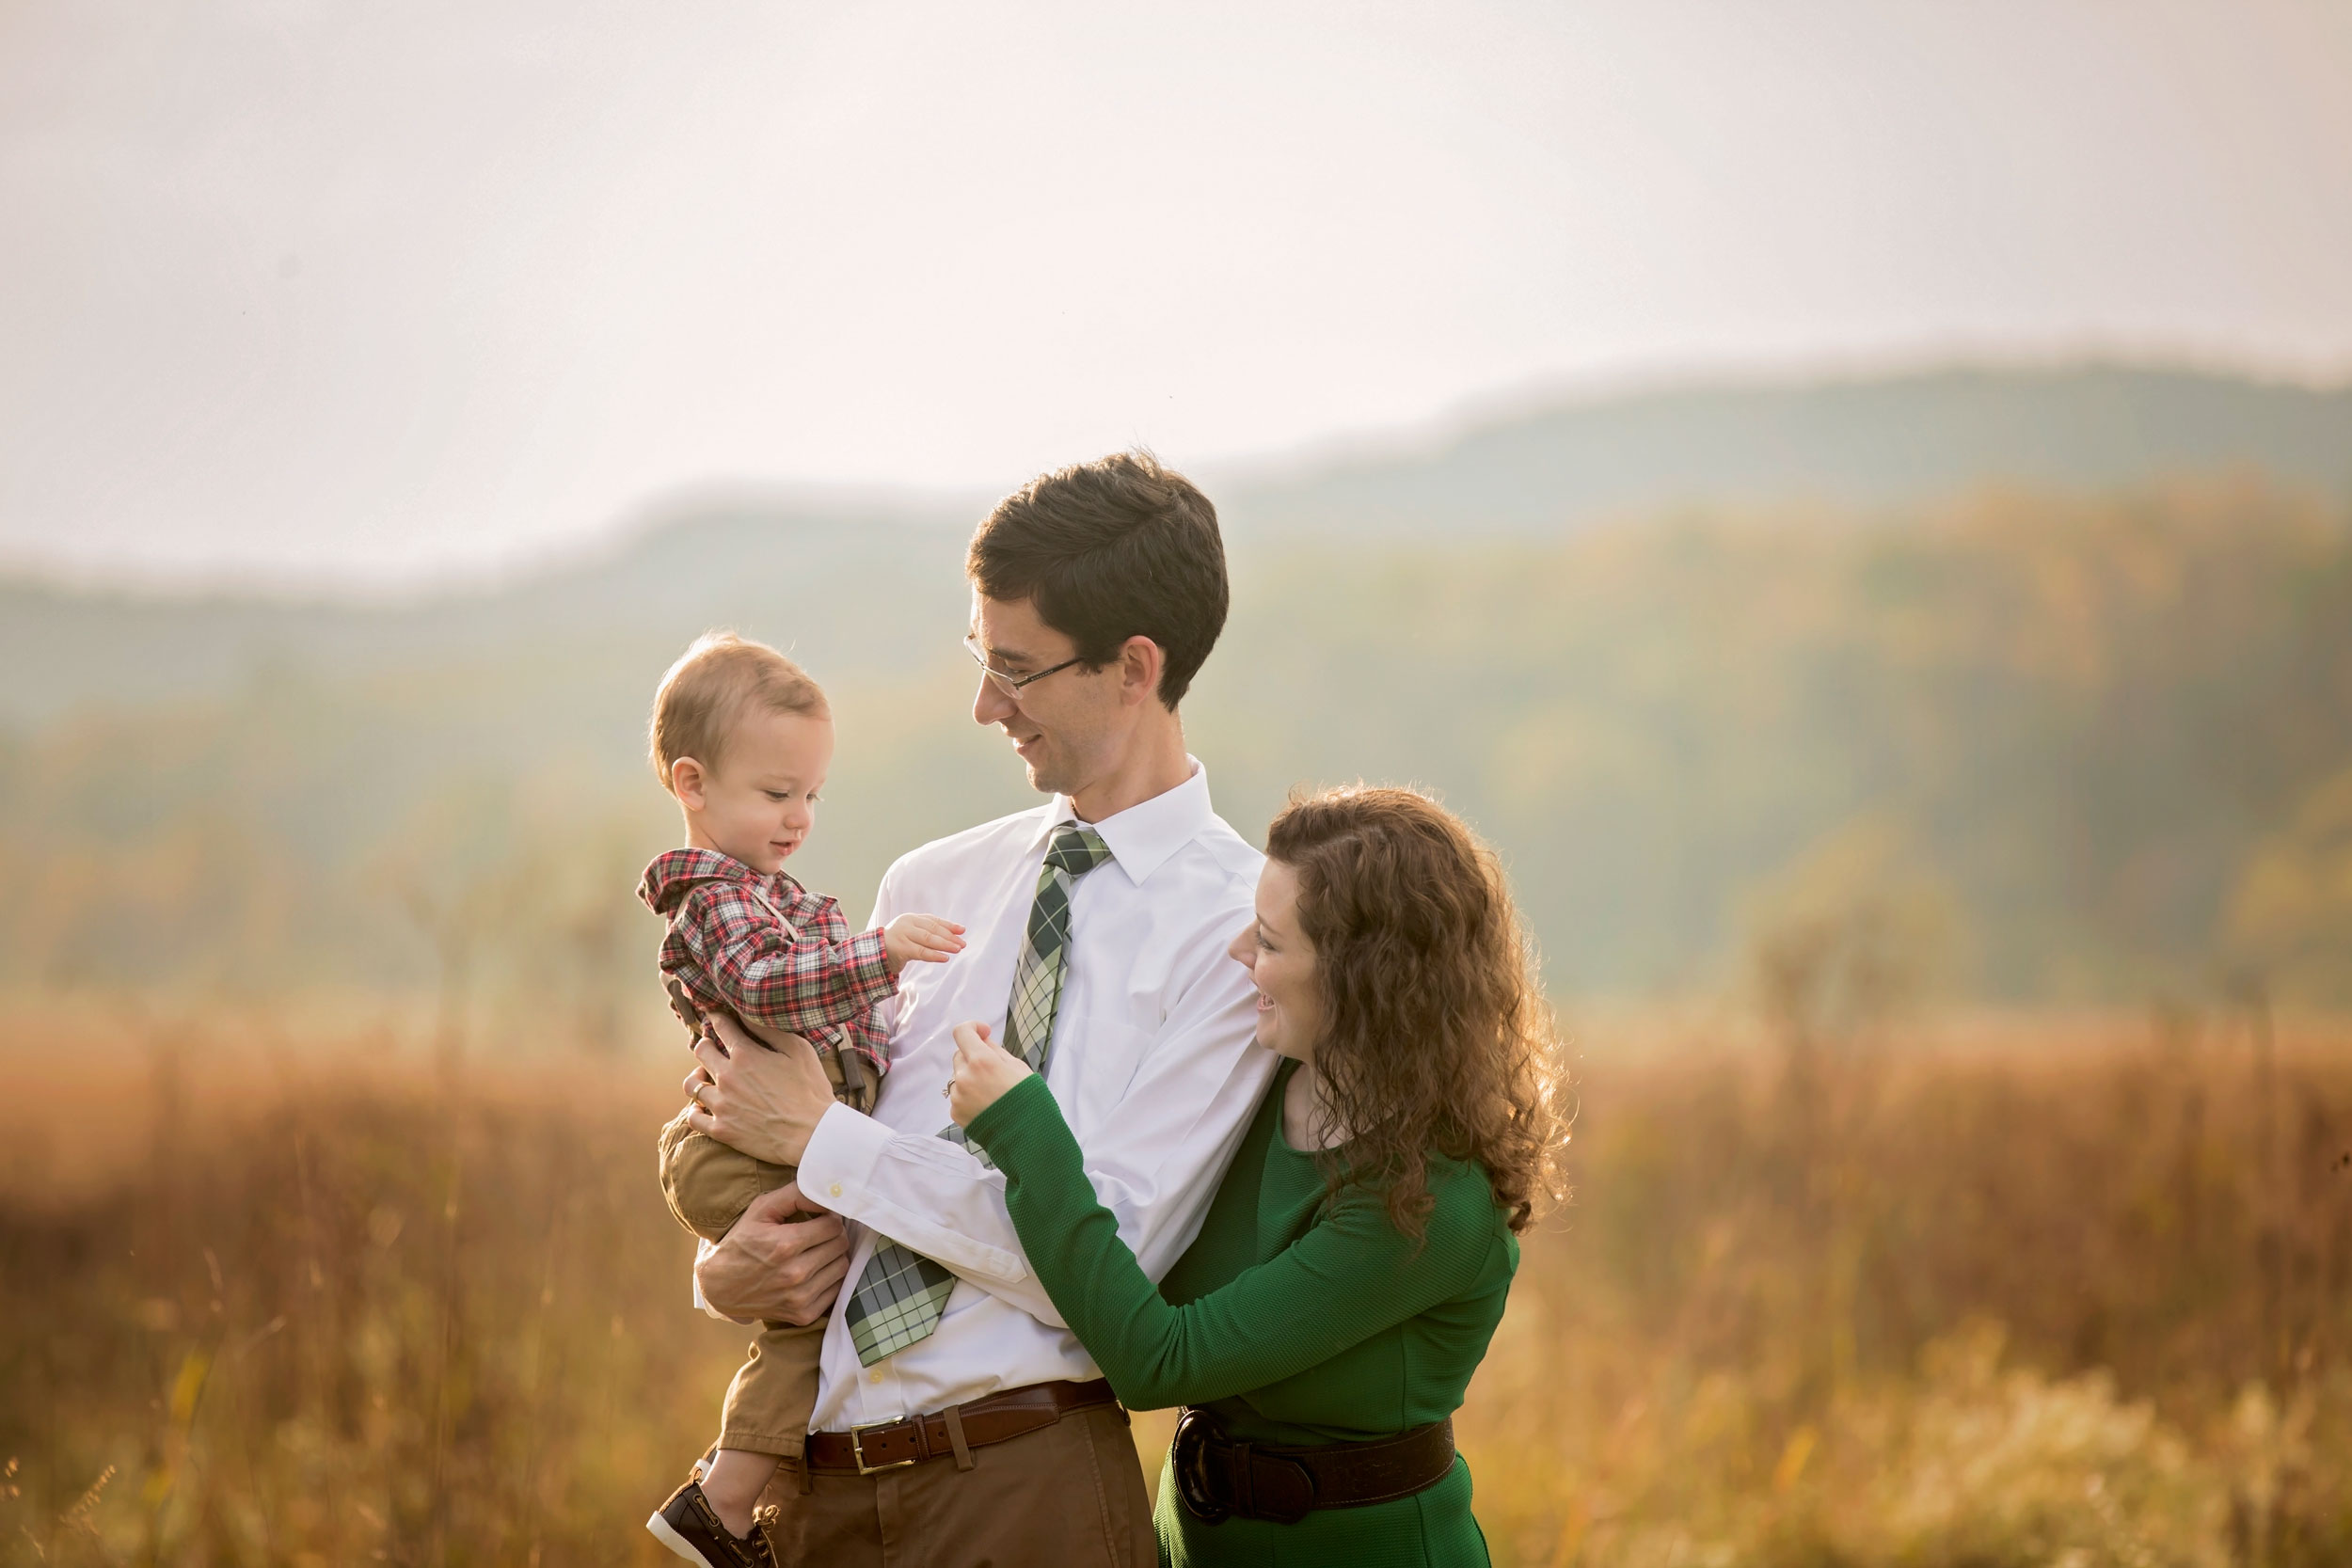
{"points": [[1293, 1320]]}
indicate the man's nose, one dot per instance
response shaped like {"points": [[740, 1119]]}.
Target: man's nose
{"points": [[990, 705]]}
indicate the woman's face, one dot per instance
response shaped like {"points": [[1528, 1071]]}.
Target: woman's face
{"points": [[1282, 963]]}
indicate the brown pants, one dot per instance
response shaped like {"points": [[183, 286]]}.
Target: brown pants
{"points": [[707, 1186], [1067, 1496]]}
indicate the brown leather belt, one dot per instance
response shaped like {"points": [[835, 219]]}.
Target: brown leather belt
{"points": [[1219, 1479], [912, 1440]]}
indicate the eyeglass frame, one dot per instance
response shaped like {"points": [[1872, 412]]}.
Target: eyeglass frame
{"points": [[1005, 680]]}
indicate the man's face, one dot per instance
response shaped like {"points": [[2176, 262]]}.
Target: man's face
{"points": [[1066, 727]]}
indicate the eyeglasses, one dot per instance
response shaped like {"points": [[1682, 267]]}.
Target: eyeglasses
{"points": [[1008, 684]]}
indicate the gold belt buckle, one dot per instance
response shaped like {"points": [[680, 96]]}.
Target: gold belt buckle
{"points": [[857, 1448]]}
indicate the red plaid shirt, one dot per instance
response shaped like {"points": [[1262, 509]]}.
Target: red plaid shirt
{"points": [[770, 951]]}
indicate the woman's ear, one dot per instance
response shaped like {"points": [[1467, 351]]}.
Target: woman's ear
{"points": [[1140, 660], [689, 783]]}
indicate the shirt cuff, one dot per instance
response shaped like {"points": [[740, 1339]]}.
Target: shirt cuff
{"points": [[841, 1152], [849, 1166], [866, 964]]}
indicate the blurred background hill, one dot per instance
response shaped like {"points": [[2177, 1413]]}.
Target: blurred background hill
{"points": [[2057, 662], [1886, 440]]}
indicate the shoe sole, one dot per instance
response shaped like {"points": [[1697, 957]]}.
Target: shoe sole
{"points": [[676, 1543]]}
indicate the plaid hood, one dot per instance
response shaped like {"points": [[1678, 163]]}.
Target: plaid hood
{"points": [[676, 873]]}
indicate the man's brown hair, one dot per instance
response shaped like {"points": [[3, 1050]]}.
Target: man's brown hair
{"points": [[709, 690], [1110, 550]]}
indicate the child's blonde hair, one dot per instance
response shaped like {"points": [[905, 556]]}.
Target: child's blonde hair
{"points": [[713, 687]]}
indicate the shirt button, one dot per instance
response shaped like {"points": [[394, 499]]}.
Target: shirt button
{"points": [[874, 1376], [835, 1189]]}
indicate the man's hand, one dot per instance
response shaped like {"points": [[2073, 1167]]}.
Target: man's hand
{"points": [[923, 938], [983, 1071], [764, 1103], [777, 1265]]}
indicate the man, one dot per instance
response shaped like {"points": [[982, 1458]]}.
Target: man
{"points": [[957, 1419]]}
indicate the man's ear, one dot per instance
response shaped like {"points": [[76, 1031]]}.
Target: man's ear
{"points": [[689, 782], [1140, 660]]}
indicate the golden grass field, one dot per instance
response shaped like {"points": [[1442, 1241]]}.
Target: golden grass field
{"points": [[2028, 1291]]}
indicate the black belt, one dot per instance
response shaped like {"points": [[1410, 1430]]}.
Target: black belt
{"points": [[1218, 1477]]}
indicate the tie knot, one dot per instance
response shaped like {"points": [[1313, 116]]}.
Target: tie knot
{"points": [[1076, 849]]}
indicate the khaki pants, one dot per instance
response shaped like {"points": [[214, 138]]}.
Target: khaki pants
{"points": [[1067, 1496], [707, 1186]]}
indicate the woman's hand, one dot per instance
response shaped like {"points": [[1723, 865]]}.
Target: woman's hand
{"points": [[983, 1071]]}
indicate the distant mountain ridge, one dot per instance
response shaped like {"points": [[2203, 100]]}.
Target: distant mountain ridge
{"points": [[1869, 442], [2072, 712], [1884, 442], [743, 562]]}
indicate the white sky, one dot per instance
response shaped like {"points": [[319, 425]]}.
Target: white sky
{"points": [[369, 288]]}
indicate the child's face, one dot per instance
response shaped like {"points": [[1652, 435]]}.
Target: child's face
{"points": [[761, 804]]}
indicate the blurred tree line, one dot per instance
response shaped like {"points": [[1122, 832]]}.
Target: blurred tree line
{"points": [[2036, 746], [2085, 743]]}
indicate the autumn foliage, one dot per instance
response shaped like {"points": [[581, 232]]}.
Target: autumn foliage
{"points": [[2014, 1292]]}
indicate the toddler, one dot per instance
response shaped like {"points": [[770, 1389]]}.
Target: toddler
{"points": [[743, 737]]}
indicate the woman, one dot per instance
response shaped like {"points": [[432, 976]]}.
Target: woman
{"points": [[1354, 1263]]}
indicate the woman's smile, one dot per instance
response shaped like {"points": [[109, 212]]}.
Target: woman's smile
{"points": [[1281, 965]]}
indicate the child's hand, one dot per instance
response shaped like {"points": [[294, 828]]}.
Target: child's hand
{"points": [[924, 937], [983, 1071]]}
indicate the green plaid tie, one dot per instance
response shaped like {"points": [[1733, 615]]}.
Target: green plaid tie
{"points": [[900, 1296]]}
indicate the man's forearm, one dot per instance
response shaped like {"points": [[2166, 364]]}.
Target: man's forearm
{"points": [[926, 1194], [937, 1198]]}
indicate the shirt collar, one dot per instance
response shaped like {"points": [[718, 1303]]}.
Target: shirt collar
{"points": [[1142, 837]]}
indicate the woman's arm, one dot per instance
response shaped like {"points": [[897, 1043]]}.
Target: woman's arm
{"points": [[1350, 1276]]}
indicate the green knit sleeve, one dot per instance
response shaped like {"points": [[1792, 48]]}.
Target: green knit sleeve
{"points": [[1348, 1278]]}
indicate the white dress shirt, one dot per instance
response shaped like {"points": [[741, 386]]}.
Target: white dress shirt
{"points": [[1153, 1062]]}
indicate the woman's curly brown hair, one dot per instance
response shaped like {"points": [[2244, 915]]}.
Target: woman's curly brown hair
{"points": [[1436, 1037]]}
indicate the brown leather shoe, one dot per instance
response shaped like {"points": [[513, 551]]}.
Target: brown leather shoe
{"points": [[688, 1526], [764, 1525]]}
